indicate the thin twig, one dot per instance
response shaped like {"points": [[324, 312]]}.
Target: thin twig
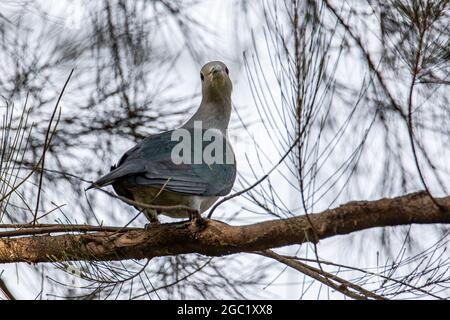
{"points": [[4, 288], [234, 195], [47, 141], [342, 285], [34, 229]]}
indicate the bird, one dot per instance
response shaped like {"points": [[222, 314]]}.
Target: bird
{"points": [[154, 174]]}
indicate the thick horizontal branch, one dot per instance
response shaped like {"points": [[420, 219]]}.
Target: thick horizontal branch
{"points": [[215, 238]]}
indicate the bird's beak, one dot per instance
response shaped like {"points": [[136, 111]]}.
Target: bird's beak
{"points": [[216, 78], [216, 70]]}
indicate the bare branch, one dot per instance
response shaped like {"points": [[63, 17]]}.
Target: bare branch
{"points": [[214, 238], [5, 290], [345, 287]]}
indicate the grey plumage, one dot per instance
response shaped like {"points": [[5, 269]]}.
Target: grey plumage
{"points": [[147, 173]]}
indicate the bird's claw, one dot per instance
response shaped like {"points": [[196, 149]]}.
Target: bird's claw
{"points": [[196, 217], [194, 214], [153, 222]]}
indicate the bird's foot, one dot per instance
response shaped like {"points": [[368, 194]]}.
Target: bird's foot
{"points": [[196, 217], [152, 216], [153, 221]]}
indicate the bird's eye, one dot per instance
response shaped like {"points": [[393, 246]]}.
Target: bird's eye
{"points": [[227, 71], [202, 76]]}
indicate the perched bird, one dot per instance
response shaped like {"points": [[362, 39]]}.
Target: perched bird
{"points": [[163, 171]]}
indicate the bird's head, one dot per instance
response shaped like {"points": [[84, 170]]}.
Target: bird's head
{"points": [[216, 83]]}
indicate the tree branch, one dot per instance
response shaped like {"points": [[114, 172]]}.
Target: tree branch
{"points": [[5, 290], [337, 283], [215, 238]]}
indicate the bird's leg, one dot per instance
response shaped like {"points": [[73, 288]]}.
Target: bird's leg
{"points": [[152, 223], [195, 216], [152, 216]]}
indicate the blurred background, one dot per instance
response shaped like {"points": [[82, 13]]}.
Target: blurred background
{"points": [[353, 96]]}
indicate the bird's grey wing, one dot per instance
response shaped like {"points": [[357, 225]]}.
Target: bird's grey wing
{"points": [[136, 160], [214, 179], [150, 164], [193, 179]]}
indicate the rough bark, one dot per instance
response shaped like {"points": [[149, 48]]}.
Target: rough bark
{"points": [[214, 238]]}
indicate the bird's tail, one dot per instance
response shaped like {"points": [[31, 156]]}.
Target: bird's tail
{"points": [[116, 174]]}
